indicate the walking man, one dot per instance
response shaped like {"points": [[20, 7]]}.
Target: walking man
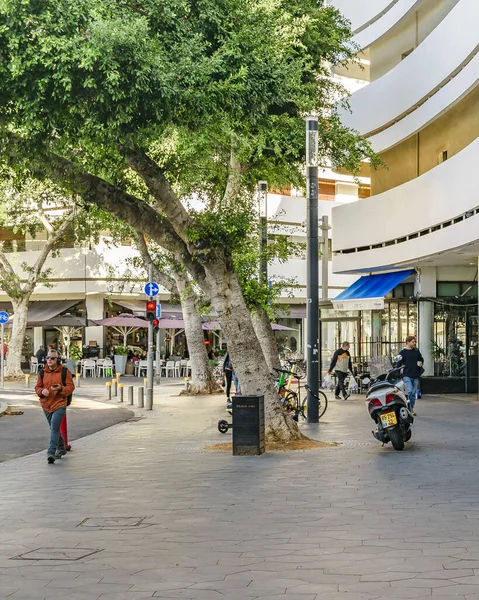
{"points": [[341, 363], [53, 398], [412, 361]]}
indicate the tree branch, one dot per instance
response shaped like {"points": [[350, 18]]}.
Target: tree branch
{"points": [[54, 238], [160, 188], [94, 190], [233, 185], [159, 276], [10, 281]]}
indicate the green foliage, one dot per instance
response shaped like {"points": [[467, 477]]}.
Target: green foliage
{"points": [[75, 352], [121, 350], [223, 230]]}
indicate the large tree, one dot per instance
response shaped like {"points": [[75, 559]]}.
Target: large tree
{"points": [[30, 210], [137, 106]]}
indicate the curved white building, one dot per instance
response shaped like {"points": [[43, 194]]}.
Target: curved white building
{"points": [[420, 111]]}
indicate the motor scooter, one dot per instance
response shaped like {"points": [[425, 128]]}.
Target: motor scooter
{"points": [[388, 405]]}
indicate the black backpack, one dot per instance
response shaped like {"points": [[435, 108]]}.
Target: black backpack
{"points": [[64, 382]]}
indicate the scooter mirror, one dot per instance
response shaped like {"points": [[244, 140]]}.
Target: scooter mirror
{"points": [[397, 358]]}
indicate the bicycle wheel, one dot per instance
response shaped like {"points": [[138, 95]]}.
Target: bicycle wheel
{"points": [[289, 402], [322, 401]]}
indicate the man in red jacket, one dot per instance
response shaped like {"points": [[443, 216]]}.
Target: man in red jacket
{"points": [[53, 398]]}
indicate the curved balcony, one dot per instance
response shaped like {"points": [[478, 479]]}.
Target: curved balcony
{"points": [[376, 29], [432, 214], [452, 93], [419, 76], [362, 14]]}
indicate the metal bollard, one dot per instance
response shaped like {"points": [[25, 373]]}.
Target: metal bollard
{"points": [[118, 376], [145, 382], [130, 395], [108, 389], [27, 380], [141, 392], [114, 386], [77, 380], [120, 390]]}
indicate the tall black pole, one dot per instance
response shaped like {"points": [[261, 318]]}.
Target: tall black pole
{"points": [[263, 220], [313, 267]]}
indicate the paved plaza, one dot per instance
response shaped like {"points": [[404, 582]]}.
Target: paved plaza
{"points": [[141, 510]]}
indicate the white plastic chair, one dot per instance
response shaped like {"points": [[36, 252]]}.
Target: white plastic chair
{"points": [[183, 368], [33, 364], [142, 366], [99, 363], [104, 366], [188, 368], [89, 366], [170, 367]]}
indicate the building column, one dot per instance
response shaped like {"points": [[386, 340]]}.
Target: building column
{"points": [[37, 338], [426, 288], [94, 310]]}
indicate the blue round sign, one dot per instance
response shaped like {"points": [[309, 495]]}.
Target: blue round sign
{"points": [[152, 288], [4, 317]]}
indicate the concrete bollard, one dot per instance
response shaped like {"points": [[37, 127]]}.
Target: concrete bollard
{"points": [[27, 380], [120, 390], [141, 392], [130, 395], [108, 389], [77, 380], [149, 399], [114, 383]]}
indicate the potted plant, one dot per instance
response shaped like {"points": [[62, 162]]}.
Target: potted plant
{"points": [[121, 356], [130, 368], [75, 354]]}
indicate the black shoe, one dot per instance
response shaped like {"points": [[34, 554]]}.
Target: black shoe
{"points": [[347, 396], [337, 397], [51, 459]]}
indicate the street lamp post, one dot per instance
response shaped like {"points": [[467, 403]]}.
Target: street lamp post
{"points": [[312, 267], [263, 222]]}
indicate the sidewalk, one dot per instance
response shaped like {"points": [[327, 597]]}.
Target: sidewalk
{"points": [[141, 510]]}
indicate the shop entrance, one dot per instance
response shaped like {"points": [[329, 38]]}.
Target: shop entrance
{"points": [[334, 332]]}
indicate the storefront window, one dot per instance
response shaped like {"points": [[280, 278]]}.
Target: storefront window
{"points": [[449, 347]]}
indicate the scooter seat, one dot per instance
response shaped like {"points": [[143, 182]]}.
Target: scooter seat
{"points": [[380, 385]]}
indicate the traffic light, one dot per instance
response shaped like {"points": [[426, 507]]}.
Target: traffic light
{"points": [[150, 310], [156, 325]]}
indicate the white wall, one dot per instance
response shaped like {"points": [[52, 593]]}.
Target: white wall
{"points": [[442, 193], [409, 82]]}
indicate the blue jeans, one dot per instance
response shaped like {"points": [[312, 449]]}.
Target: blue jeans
{"points": [[411, 387], [56, 440]]}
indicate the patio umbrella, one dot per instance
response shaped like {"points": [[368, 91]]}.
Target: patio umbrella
{"points": [[68, 325], [274, 326], [124, 324]]}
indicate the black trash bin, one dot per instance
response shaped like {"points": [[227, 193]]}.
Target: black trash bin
{"points": [[248, 429]]}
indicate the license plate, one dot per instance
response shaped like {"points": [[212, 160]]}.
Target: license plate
{"points": [[389, 419]]}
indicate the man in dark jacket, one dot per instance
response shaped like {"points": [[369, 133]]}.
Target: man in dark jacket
{"points": [[341, 363], [412, 361], [53, 398]]}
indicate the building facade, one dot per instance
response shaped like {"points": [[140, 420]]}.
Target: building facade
{"points": [[420, 112]]}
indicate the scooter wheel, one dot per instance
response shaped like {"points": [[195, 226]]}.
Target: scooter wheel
{"points": [[223, 426]]}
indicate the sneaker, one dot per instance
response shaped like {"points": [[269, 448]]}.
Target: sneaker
{"points": [[347, 396], [414, 413], [337, 397], [60, 453], [51, 459]]}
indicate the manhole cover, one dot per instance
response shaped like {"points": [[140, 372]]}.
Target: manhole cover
{"points": [[111, 522], [57, 554]]}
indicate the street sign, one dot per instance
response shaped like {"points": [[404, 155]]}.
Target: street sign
{"points": [[152, 288], [158, 311], [4, 317]]}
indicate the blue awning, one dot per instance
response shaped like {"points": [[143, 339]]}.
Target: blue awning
{"points": [[367, 293]]}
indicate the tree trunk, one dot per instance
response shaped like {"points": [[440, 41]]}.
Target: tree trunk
{"points": [[202, 381], [13, 368], [267, 340], [245, 351]]}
